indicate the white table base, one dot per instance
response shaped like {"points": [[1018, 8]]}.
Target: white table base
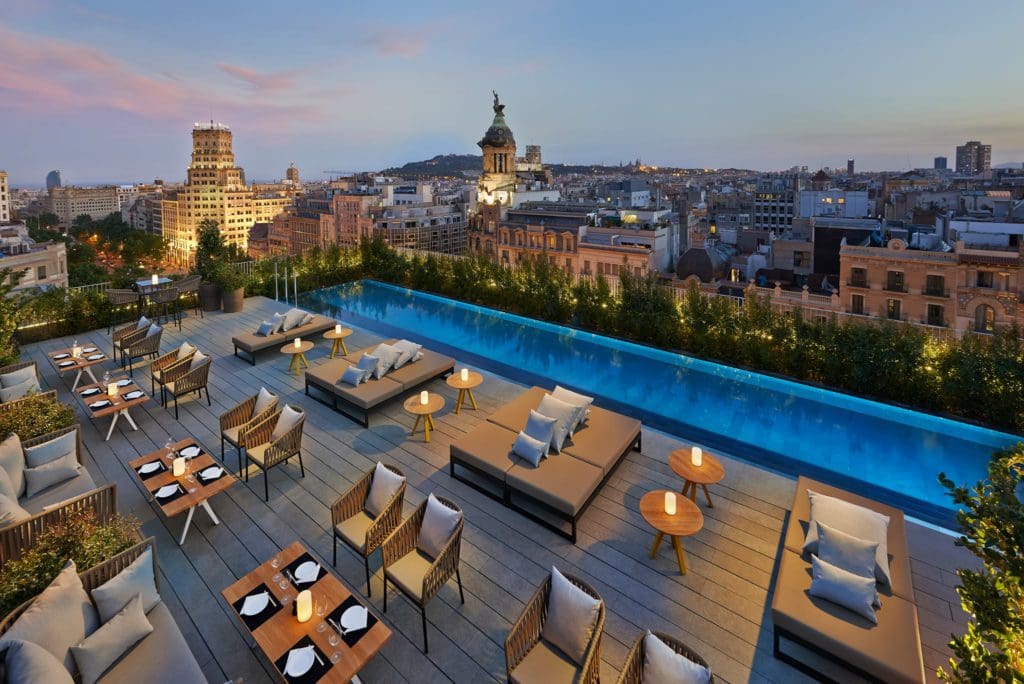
{"points": [[127, 416], [78, 376], [188, 519]]}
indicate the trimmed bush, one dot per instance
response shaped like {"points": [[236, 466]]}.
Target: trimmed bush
{"points": [[33, 416]]}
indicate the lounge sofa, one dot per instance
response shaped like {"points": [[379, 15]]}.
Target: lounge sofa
{"points": [[18, 380], [251, 344], [357, 402], [18, 537], [563, 484], [160, 657], [889, 651]]}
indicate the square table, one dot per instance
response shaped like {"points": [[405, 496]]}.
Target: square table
{"points": [[118, 405], [196, 493], [148, 283], [279, 631], [83, 363]]}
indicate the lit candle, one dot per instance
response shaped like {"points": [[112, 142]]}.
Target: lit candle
{"points": [[112, 389], [304, 605], [337, 329], [696, 456], [155, 279], [670, 503], [76, 352], [424, 397], [464, 374], [178, 466], [298, 342]]}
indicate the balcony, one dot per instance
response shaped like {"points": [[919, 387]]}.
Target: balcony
{"points": [[935, 292], [858, 282], [895, 287]]}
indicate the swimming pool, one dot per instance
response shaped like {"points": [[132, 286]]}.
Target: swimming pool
{"points": [[880, 450]]}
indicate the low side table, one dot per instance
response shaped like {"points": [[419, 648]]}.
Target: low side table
{"points": [[338, 341], [435, 402], [687, 521], [298, 354], [710, 471], [465, 388]]}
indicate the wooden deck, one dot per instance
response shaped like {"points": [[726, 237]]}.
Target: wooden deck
{"points": [[721, 608]]}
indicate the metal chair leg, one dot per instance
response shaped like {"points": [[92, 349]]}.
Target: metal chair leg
{"points": [[423, 615], [366, 564], [266, 486], [458, 577], [334, 558], [385, 591], [302, 468]]}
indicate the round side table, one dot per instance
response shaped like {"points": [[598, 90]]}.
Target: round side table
{"points": [[338, 341], [465, 387], [298, 355], [412, 405], [710, 471], [685, 522]]}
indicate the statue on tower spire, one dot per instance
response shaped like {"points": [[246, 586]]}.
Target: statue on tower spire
{"points": [[499, 108]]}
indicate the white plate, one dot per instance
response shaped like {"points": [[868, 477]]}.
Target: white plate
{"points": [[190, 451], [133, 395], [354, 618], [150, 467], [211, 473], [99, 404], [65, 364], [124, 383], [307, 572], [255, 604], [166, 491], [94, 357], [90, 392], [300, 660], [58, 357], [89, 350]]}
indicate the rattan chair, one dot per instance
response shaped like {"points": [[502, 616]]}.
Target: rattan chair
{"points": [[140, 347], [354, 526], [161, 365], [164, 304], [182, 379], [124, 336], [118, 299], [188, 293], [18, 538], [400, 547], [633, 669], [238, 421], [525, 634], [4, 370], [265, 453]]}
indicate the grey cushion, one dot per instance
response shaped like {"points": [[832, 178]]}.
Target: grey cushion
{"points": [[292, 319], [306, 319], [602, 440], [28, 663], [367, 364], [572, 616], [53, 449], [23, 389], [288, 419], [266, 327], [408, 351], [581, 401], [843, 588], [117, 636], [58, 493], [386, 357], [198, 359], [143, 323], [662, 665], [540, 427], [564, 415], [58, 618], [545, 663], [264, 400], [846, 551], [153, 330], [439, 522], [278, 321], [383, 486], [12, 460], [135, 580], [11, 511], [185, 349], [352, 376], [164, 652], [19, 376], [529, 449], [50, 474], [850, 518]]}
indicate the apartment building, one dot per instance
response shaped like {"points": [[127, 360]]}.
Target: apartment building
{"points": [[973, 158], [5, 199], [69, 202], [32, 264], [431, 227]]}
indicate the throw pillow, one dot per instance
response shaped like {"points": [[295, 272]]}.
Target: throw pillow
{"points": [[17, 377], [51, 450], [58, 618], [662, 665], [97, 652], [153, 330], [439, 522], [12, 460], [408, 352], [185, 349], [198, 359], [844, 588], [307, 319], [292, 319], [136, 580], [49, 474], [143, 323], [572, 616], [850, 518], [383, 486], [266, 327], [580, 401], [530, 449], [352, 376], [264, 400], [24, 661], [11, 512], [540, 427], [288, 419], [386, 357], [367, 363], [563, 414], [15, 392], [846, 551], [278, 321], [6, 487]]}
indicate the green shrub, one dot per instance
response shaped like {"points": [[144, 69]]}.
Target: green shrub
{"points": [[34, 416], [81, 538]]}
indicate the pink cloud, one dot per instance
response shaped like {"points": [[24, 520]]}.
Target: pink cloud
{"points": [[405, 41], [267, 82]]}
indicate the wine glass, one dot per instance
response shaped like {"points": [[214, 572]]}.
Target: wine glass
{"points": [[169, 448], [190, 476], [333, 639], [320, 608]]}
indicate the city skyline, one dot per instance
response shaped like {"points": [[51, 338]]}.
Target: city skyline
{"points": [[86, 89]]}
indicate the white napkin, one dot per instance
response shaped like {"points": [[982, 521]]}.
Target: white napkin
{"points": [[166, 491], [211, 473], [300, 660], [150, 467], [99, 404]]}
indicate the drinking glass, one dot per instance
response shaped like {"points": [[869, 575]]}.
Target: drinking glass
{"points": [[320, 608]]}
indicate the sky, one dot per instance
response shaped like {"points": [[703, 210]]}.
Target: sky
{"points": [[109, 90]]}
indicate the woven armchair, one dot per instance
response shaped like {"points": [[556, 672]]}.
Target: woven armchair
{"points": [[125, 335], [163, 364], [118, 299], [238, 421], [181, 379], [525, 633], [16, 539], [188, 293], [265, 453], [352, 503], [436, 574], [164, 303], [633, 669], [18, 366]]}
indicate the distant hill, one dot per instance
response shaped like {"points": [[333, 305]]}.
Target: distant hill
{"points": [[456, 164]]}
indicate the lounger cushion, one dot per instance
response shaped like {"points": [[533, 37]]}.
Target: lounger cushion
{"points": [[353, 530], [164, 651], [327, 373], [53, 449], [408, 572], [19, 391], [514, 414], [369, 394], [564, 483], [571, 617], [24, 661], [264, 400], [545, 663], [488, 448], [17, 377], [51, 474], [662, 665], [81, 483], [383, 486], [252, 343], [108, 643], [890, 650], [429, 366], [853, 519], [843, 588], [603, 439], [12, 460], [136, 580], [439, 523]]}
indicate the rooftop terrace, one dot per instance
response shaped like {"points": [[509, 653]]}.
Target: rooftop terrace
{"points": [[720, 609]]}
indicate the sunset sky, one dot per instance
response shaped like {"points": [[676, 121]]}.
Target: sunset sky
{"points": [[108, 91]]}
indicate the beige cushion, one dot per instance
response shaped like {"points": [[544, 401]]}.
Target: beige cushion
{"points": [[662, 665], [429, 365], [408, 572], [19, 376], [258, 453], [135, 580], [292, 319], [231, 434], [603, 439], [198, 359], [108, 643], [545, 663], [564, 415], [30, 663], [564, 482], [58, 618], [11, 511], [184, 350], [53, 449], [50, 474], [439, 523], [288, 419], [382, 487], [487, 447], [264, 400], [19, 391], [572, 616], [163, 652], [353, 530], [513, 415], [12, 460]]}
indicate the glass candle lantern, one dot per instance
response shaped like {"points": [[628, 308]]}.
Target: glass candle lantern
{"points": [[298, 343], [424, 397], [337, 329], [670, 503], [178, 466], [464, 375], [304, 605], [155, 279], [696, 456]]}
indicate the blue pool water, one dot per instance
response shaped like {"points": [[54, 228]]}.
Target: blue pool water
{"points": [[881, 450]]}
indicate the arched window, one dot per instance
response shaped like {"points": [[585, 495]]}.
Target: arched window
{"points": [[984, 319]]}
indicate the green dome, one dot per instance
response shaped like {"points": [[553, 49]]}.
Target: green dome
{"points": [[499, 134]]}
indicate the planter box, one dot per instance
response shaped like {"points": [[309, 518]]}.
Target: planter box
{"points": [[233, 301], [209, 297]]}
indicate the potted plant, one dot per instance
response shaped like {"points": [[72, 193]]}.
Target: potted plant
{"points": [[210, 252], [232, 286]]}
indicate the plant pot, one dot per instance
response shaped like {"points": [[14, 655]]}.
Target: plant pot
{"points": [[209, 296], [233, 300]]}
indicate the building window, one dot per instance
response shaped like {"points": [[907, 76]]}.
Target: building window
{"points": [[985, 279], [935, 285], [858, 277], [985, 319], [894, 281], [894, 309], [857, 304], [936, 315], [801, 259], [40, 272]]}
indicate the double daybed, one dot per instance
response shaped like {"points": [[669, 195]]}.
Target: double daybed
{"points": [[887, 651], [283, 328], [356, 401], [562, 484]]}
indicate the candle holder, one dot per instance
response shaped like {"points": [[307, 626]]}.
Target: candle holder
{"points": [[178, 466], [298, 343], [424, 397], [304, 605], [111, 389], [670, 503], [76, 352], [464, 375], [337, 329], [696, 456], [155, 279]]}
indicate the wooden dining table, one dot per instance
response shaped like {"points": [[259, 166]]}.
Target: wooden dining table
{"points": [[129, 395], [64, 361]]}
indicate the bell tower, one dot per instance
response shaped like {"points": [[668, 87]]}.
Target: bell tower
{"points": [[498, 180]]}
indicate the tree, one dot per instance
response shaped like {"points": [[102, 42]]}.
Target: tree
{"points": [[210, 249], [8, 319], [992, 521]]}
